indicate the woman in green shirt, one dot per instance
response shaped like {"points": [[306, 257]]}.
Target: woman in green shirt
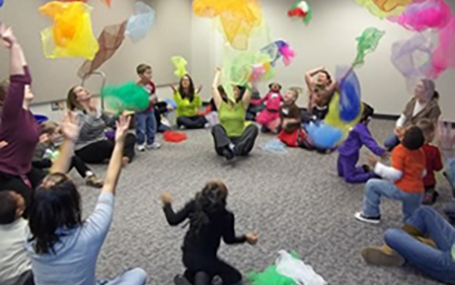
{"points": [[233, 136], [188, 103]]}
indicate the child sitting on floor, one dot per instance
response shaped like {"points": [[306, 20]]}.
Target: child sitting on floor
{"points": [[291, 120], [47, 150], [349, 151], [209, 221], [15, 265], [268, 117], [404, 178], [433, 161]]}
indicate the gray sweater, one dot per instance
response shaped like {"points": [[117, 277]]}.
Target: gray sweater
{"points": [[92, 127]]}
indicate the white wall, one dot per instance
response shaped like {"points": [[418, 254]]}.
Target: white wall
{"points": [[329, 40], [53, 78]]}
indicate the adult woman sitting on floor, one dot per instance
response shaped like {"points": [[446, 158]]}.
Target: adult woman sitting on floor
{"points": [[233, 136], [424, 105], [92, 145], [19, 131], [188, 104]]}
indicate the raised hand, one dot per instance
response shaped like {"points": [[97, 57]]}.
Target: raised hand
{"points": [[252, 238], [166, 198], [3, 144], [70, 127], [7, 36], [122, 126]]}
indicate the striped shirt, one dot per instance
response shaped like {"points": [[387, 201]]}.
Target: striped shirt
{"points": [[92, 127]]}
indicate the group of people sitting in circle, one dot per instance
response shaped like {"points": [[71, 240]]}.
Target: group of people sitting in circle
{"points": [[45, 241]]}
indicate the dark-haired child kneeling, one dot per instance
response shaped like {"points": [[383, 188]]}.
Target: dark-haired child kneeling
{"points": [[404, 179], [349, 151], [209, 222], [15, 265]]}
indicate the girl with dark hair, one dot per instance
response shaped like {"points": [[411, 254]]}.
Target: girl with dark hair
{"points": [[92, 145], [233, 136], [62, 247], [18, 129], [321, 90], [188, 103], [269, 118], [424, 105], [349, 151], [209, 222]]}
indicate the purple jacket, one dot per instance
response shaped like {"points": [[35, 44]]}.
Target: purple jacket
{"points": [[358, 137], [18, 128]]}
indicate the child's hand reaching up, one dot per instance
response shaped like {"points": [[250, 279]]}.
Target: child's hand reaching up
{"points": [[252, 238], [166, 198]]}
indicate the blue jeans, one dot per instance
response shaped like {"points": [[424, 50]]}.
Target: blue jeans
{"points": [[391, 142], [375, 188], [436, 262], [135, 276], [145, 127]]}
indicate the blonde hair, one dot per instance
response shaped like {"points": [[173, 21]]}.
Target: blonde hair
{"points": [[427, 127], [296, 91]]}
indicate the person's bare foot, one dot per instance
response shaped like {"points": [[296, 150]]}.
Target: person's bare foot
{"points": [[125, 161]]}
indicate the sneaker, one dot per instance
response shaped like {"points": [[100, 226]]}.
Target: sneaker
{"points": [[372, 220], [228, 154], [181, 280], [140, 147], [154, 145], [94, 181], [377, 256]]}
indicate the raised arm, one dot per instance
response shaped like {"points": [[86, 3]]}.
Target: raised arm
{"points": [[175, 218], [309, 77], [19, 76], [198, 89], [115, 164], [70, 131], [247, 97], [217, 99], [173, 88]]}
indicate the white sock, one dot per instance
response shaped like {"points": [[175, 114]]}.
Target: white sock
{"points": [[231, 146], [88, 174]]}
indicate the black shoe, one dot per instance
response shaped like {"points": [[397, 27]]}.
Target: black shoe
{"points": [[228, 154], [371, 220], [366, 168], [181, 280]]}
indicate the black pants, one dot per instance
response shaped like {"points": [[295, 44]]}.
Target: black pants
{"points": [[160, 108], [210, 266], [76, 162], [100, 151], [243, 144], [16, 183], [195, 122]]}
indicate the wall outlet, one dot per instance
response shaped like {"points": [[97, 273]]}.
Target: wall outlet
{"points": [[55, 106], [58, 105]]}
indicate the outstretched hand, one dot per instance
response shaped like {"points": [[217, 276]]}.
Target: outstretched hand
{"points": [[122, 126], [70, 127], [252, 238], [166, 198], [7, 35]]}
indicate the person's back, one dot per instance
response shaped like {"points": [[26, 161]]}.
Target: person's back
{"points": [[15, 266], [75, 256]]}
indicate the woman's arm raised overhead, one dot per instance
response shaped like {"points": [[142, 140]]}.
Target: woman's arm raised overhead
{"points": [[215, 92]]}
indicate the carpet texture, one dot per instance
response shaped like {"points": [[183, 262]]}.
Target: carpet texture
{"points": [[295, 201]]}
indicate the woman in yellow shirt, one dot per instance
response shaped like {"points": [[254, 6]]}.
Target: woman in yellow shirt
{"points": [[234, 136], [188, 104]]}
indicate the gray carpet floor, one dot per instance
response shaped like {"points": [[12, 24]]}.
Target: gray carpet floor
{"points": [[294, 201]]}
